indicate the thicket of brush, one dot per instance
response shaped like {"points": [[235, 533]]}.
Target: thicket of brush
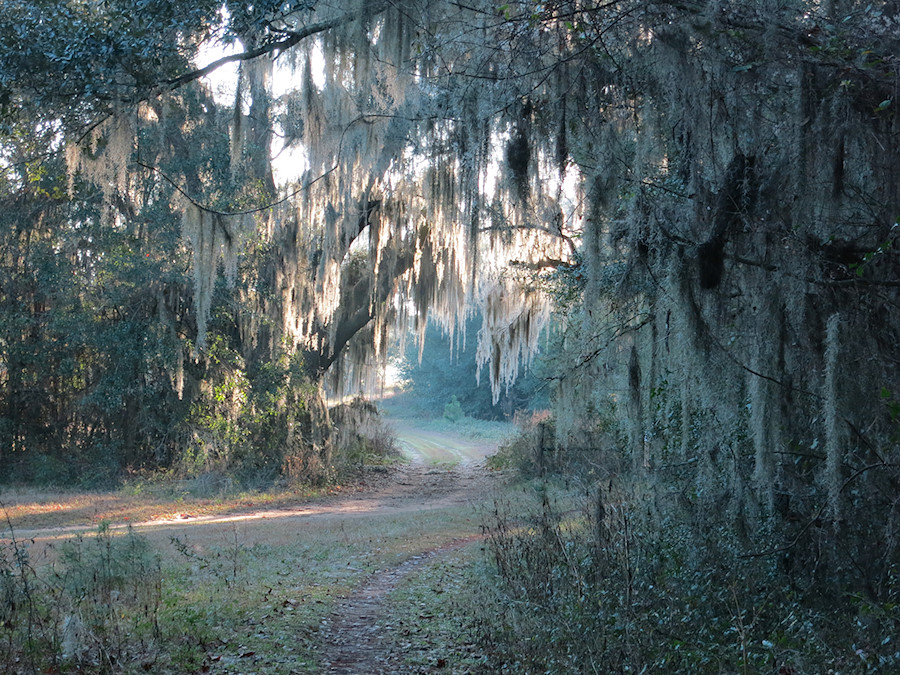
{"points": [[95, 609], [604, 573]]}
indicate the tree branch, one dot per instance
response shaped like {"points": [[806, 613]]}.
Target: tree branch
{"points": [[293, 38], [851, 282], [543, 264], [318, 361]]}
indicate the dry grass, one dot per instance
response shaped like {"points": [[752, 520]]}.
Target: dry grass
{"points": [[142, 500], [249, 596], [32, 508], [247, 590]]}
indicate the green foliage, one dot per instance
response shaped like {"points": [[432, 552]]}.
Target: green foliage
{"points": [[97, 334], [450, 371], [241, 422], [362, 439], [453, 410], [115, 583], [55, 52], [585, 584], [88, 364], [532, 451], [564, 283]]}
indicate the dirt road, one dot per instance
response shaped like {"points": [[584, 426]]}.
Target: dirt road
{"points": [[442, 470]]}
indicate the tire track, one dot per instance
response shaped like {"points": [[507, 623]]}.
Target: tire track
{"points": [[356, 636]]}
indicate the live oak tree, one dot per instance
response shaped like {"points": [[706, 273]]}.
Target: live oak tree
{"points": [[707, 189], [730, 324], [388, 207]]}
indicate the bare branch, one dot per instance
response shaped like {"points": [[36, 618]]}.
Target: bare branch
{"points": [[543, 264]]}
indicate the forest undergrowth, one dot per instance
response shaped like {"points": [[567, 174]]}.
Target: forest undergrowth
{"points": [[594, 571]]}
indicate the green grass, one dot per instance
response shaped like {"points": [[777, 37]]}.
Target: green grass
{"points": [[235, 598], [262, 602], [431, 614], [470, 427], [467, 427]]}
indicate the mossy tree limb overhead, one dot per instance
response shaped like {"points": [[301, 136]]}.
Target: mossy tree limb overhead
{"points": [[708, 192]]}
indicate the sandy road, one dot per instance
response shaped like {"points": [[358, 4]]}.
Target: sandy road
{"points": [[442, 470], [440, 447]]}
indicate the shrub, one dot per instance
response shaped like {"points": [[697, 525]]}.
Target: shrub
{"points": [[96, 610], [361, 438], [112, 588], [453, 410], [599, 584]]}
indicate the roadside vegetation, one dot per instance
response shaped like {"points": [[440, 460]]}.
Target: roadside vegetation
{"points": [[236, 598], [240, 596], [362, 443], [584, 573]]}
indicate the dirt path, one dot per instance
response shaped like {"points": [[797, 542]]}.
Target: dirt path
{"points": [[442, 470], [356, 635]]}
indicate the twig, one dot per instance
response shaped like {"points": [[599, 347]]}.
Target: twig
{"points": [[818, 514]]}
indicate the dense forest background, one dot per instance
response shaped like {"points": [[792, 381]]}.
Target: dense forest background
{"points": [[704, 193], [449, 370]]}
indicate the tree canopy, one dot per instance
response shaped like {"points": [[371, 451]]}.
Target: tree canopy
{"points": [[408, 187], [707, 192]]}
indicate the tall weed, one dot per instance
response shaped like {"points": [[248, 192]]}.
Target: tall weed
{"points": [[612, 582], [94, 610]]}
